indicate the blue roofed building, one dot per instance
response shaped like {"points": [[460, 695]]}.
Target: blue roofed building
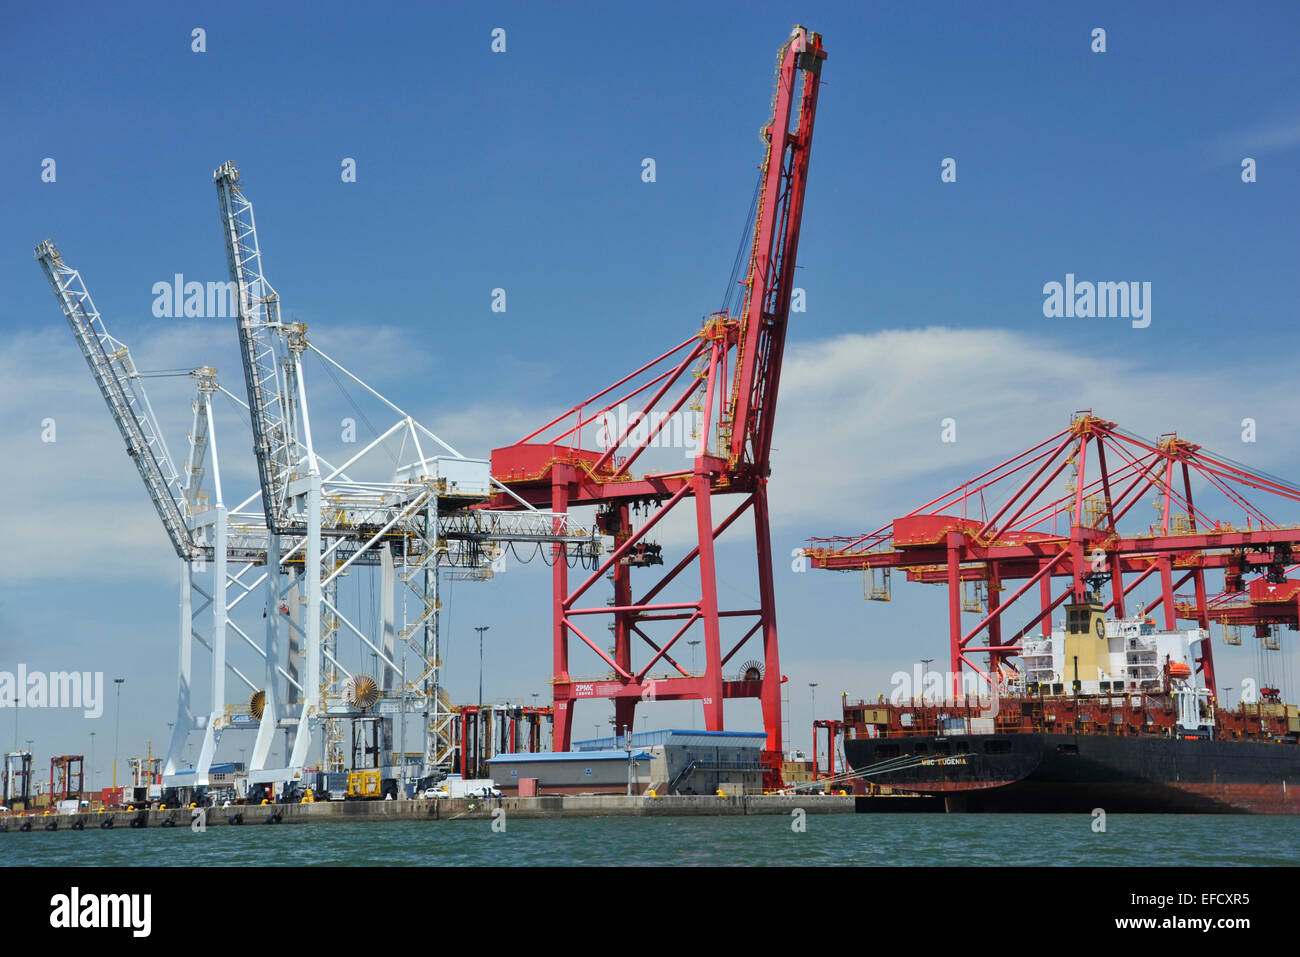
{"points": [[672, 761]]}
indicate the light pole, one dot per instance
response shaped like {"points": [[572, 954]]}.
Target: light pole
{"points": [[117, 729], [480, 629], [925, 666], [478, 716], [812, 689], [92, 760]]}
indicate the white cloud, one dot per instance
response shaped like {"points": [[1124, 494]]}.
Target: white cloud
{"points": [[77, 502], [858, 429], [1263, 137], [857, 440]]}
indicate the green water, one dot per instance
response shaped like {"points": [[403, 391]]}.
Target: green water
{"points": [[892, 840]]}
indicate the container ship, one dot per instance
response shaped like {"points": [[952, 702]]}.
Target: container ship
{"points": [[1103, 713]]}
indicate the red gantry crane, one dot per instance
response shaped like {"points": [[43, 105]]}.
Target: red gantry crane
{"points": [[1047, 528], [727, 374]]}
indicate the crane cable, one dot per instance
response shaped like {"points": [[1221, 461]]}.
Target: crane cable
{"points": [[902, 763], [356, 408], [746, 240]]}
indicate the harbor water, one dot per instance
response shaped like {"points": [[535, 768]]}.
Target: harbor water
{"points": [[897, 840]]}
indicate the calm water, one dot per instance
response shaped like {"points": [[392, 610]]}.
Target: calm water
{"points": [[890, 839]]}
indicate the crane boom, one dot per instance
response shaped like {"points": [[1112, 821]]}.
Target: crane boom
{"points": [[114, 372], [766, 312], [261, 336]]}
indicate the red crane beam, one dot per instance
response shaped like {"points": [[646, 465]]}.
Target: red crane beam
{"points": [[734, 364], [946, 548]]}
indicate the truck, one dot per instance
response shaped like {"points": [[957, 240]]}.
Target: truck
{"points": [[455, 786]]}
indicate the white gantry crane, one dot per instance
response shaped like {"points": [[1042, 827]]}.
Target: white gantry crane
{"points": [[408, 518], [207, 537], [411, 519]]}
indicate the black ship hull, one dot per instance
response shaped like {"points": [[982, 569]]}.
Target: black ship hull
{"points": [[1027, 772]]}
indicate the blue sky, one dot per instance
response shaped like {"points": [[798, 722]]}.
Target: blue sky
{"points": [[522, 170]]}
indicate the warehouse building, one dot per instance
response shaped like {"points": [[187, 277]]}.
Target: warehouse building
{"points": [[571, 772], [671, 761]]}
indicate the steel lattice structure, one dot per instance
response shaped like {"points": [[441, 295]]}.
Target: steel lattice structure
{"points": [[342, 515], [317, 520], [728, 374], [115, 373], [262, 341], [292, 541], [1062, 504]]}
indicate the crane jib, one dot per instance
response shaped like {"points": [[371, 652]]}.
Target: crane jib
{"points": [[123, 393], [761, 337]]}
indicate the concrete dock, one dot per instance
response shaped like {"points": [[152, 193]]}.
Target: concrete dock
{"points": [[556, 806]]}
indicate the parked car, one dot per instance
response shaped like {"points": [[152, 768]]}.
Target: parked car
{"points": [[457, 787]]}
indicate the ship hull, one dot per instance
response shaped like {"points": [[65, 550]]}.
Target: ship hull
{"points": [[1028, 772]]}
